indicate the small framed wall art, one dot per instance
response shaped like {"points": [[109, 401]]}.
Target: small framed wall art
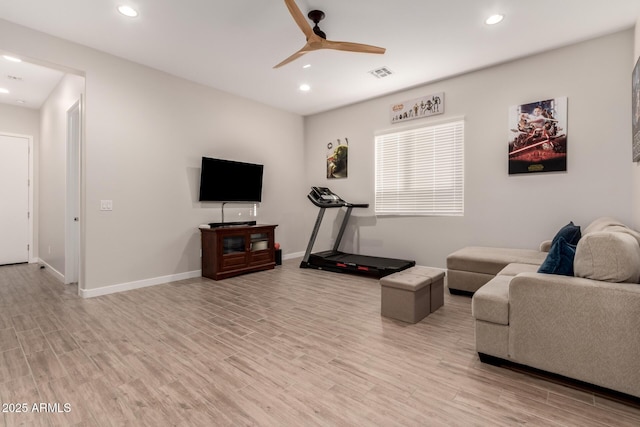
{"points": [[337, 158]]}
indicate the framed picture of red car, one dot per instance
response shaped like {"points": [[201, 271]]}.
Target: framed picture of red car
{"points": [[538, 136]]}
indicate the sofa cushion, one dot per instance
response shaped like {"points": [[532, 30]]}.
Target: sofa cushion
{"points": [[491, 302], [570, 233], [516, 268], [599, 224], [560, 258], [608, 256], [611, 224]]}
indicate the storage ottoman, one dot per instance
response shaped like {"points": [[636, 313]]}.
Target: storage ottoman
{"points": [[412, 294]]}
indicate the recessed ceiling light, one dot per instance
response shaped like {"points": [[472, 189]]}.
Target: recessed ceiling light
{"points": [[3, 90], [306, 66], [494, 19], [128, 11], [11, 58], [305, 87]]}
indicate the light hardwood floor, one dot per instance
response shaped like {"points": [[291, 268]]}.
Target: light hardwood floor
{"points": [[286, 347]]}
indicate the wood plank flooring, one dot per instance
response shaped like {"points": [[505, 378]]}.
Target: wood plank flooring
{"points": [[285, 347]]}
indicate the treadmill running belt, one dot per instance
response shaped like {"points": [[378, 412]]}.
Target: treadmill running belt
{"points": [[366, 260]]}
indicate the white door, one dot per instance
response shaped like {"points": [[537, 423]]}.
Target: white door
{"points": [[14, 199]]}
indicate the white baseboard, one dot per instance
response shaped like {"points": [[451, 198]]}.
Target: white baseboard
{"points": [[293, 255], [112, 289], [444, 270], [121, 287], [52, 270]]}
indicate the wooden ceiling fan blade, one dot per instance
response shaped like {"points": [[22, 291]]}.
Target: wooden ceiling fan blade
{"points": [[318, 40], [353, 47], [299, 17], [295, 56]]}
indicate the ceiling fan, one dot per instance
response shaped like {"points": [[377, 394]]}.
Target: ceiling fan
{"points": [[317, 39]]}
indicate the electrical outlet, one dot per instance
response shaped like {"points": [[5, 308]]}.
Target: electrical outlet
{"points": [[106, 205]]}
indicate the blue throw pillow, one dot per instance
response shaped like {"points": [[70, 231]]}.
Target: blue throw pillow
{"points": [[570, 232], [559, 259]]}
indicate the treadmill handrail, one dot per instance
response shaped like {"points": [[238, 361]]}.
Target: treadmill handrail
{"points": [[335, 203], [323, 197]]}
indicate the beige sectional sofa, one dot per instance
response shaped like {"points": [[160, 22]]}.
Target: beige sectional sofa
{"points": [[585, 327]]}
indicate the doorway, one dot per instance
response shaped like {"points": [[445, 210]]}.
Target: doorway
{"points": [[72, 220], [16, 199]]}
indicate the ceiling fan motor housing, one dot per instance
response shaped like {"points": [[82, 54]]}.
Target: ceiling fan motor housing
{"points": [[317, 16]]}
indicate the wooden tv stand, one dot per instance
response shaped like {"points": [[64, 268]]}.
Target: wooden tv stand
{"points": [[228, 251]]}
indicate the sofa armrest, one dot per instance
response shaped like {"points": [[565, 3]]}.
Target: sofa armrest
{"points": [[576, 327], [545, 246]]}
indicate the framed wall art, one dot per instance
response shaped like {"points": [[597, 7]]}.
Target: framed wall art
{"points": [[418, 108], [635, 111], [337, 158], [538, 136]]}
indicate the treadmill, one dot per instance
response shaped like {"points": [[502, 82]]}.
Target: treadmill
{"points": [[342, 262]]}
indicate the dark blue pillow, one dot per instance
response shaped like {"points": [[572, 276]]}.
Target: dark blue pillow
{"points": [[559, 259], [570, 232]]}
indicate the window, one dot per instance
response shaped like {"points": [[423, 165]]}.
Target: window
{"points": [[421, 171]]}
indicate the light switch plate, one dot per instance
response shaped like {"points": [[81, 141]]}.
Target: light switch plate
{"points": [[106, 205]]}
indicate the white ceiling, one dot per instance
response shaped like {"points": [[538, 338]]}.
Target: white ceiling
{"points": [[233, 45], [28, 84]]}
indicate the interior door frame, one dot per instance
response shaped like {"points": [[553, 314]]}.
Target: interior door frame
{"points": [[73, 229], [29, 138]]}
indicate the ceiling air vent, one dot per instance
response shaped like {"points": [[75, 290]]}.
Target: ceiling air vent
{"points": [[381, 72], [10, 77]]}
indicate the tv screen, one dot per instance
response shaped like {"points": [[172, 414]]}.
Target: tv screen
{"points": [[229, 181]]}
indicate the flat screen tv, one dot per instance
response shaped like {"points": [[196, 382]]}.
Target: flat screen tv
{"points": [[230, 181]]}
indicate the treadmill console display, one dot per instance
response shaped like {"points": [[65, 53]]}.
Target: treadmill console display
{"points": [[323, 196]]}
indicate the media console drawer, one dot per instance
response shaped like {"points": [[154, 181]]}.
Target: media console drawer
{"points": [[265, 256], [233, 261]]}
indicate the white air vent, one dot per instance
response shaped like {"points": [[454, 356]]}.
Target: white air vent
{"points": [[381, 72]]}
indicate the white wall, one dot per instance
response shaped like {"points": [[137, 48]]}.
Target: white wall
{"points": [[145, 134], [500, 210], [25, 121], [20, 120], [52, 170]]}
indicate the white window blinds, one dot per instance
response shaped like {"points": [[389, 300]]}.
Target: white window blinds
{"points": [[421, 171]]}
